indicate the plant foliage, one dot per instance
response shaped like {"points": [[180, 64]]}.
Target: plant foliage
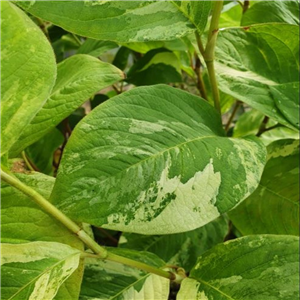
{"points": [[150, 150]]}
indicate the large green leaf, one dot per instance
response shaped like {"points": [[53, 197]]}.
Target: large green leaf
{"points": [[274, 206], [79, 77], [122, 21], [181, 249], [35, 270], [22, 221], [155, 160], [28, 72], [106, 280], [249, 268], [272, 11], [259, 65]]}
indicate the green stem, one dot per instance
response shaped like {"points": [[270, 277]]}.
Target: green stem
{"points": [[140, 265], [54, 212], [210, 52], [78, 41], [99, 251], [28, 164]]}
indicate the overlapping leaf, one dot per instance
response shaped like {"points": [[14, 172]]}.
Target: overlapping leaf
{"points": [[181, 249], [36, 270], [23, 221], [259, 65], [272, 11], [156, 66], [249, 268], [78, 78], [106, 280], [28, 72], [155, 160], [124, 21], [274, 206]]}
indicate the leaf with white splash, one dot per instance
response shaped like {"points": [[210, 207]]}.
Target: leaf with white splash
{"points": [[107, 280], [249, 268], [36, 270], [155, 160]]}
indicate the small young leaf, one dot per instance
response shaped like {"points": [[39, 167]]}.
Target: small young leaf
{"points": [[274, 206], [78, 78], [249, 268], [106, 280], [28, 72], [248, 123], [154, 160], [36, 270]]}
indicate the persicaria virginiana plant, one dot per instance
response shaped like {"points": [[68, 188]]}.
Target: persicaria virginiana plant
{"points": [[150, 150]]}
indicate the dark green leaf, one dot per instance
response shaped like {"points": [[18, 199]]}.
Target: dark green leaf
{"points": [[181, 249], [41, 152]]}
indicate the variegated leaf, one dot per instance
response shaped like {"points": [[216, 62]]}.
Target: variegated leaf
{"points": [[155, 160], [35, 270]]}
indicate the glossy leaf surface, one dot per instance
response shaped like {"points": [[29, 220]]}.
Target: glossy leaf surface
{"points": [[107, 280], [79, 77], [259, 66], [28, 72], [141, 161], [274, 206], [45, 266], [249, 268]]}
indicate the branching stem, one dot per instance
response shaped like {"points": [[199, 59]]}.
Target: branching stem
{"points": [[100, 252]]}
